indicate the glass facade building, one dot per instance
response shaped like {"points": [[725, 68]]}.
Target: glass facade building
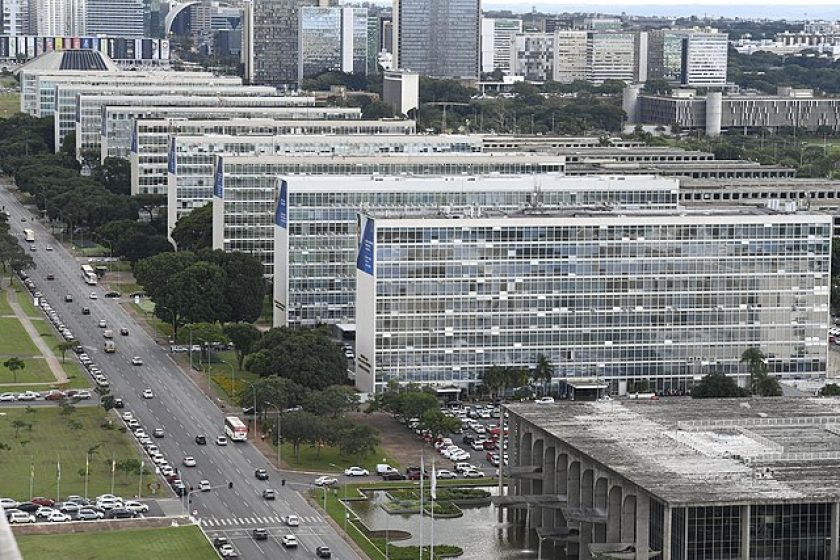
{"points": [[315, 234], [275, 41], [333, 39], [666, 298]]}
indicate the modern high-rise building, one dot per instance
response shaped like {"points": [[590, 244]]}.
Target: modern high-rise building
{"points": [[619, 296], [332, 39], [570, 56], [532, 56], [15, 17], [438, 38], [123, 18], [689, 57], [612, 56], [271, 41], [57, 18], [497, 35]]}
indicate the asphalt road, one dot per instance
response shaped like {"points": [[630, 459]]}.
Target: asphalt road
{"points": [[181, 409]]}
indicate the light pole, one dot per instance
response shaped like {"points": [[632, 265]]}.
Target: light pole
{"points": [[254, 393]]}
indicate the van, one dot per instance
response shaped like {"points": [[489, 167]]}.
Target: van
{"points": [[108, 333], [384, 468], [110, 348], [21, 517]]}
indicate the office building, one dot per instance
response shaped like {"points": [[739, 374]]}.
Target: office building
{"points": [[245, 188], [688, 57], [532, 56], [315, 224], [664, 297], [497, 36], [57, 18], [570, 49], [613, 56], [401, 90], [333, 40], [682, 480], [437, 38], [271, 43], [123, 18], [15, 15], [123, 52]]}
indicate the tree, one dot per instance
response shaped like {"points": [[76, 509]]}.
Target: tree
{"points": [[439, 423], [308, 357], [198, 293], [155, 274], [243, 336], [64, 346], [245, 288], [830, 390], [760, 381], [543, 371], [14, 364], [335, 400], [107, 402], [717, 385], [202, 334], [495, 378], [17, 425], [149, 203], [115, 175], [377, 110], [277, 391], [194, 231], [298, 428], [357, 439]]}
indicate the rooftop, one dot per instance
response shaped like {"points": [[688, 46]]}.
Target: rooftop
{"points": [[721, 451], [77, 60]]}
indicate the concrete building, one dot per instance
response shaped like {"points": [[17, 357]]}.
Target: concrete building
{"points": [[678, 479], [437, 38], [316, 218], [497, 36], [715, 113], [401, 90], [664, 297], [15, 15], [333, 39], [123, 18], [570, 48], [614, 56], [246, 189], [532, 56], [689, 57], [57, 18], [271, 42]]}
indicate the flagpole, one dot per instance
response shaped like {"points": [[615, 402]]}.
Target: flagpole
{"points": [[58, 478], [140, 483], [113, 469], [87, 472], [422, 469], [433, 496], [31, 479]]}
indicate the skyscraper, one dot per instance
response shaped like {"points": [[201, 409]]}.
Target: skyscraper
{"points": [[123, 19], [438, 38], [333, 39]]}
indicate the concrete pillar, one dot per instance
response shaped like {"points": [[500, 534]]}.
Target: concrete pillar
{"points": [[587, 500], [561, 485], [628, 519], [666, 535], [574, 483], [614, 504], [834, 551], [642, 526], [745, 532], [537, 485], [549, 480], [600, 500]]}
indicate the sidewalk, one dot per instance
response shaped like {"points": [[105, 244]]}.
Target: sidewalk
{"points": [[43, 347]]}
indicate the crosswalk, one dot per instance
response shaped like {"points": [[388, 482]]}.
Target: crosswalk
{"points": [[256, 521]]}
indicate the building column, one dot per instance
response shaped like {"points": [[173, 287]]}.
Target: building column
{"points": [[642, 526], [834, 552], [666, 535], [745, 532]]}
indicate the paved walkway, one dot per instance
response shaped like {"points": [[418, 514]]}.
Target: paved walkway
{"points": [[43, 347]]}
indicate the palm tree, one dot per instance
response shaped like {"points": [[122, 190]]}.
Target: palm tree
{"points": [[64, 346], [494, 379], [757, 364], [13, 364], [543, 371]]}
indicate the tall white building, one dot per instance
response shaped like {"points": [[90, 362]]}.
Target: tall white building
{"points": [[58, 18], [532, 56], [119, 18], [611, 56], [332, 39], [570, 56], [689, 57], [15, 17], [497, 36]]}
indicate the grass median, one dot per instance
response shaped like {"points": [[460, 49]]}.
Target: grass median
{"points": [[38, 438], [183, 543]]}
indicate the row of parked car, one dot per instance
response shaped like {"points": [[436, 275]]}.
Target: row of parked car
{"points": [[74, 508], [53, 395], [147, 442]]}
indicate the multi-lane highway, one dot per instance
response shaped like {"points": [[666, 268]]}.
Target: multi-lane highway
{"points": [[181, 409]]}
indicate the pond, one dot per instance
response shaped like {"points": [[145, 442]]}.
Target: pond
{"points": [[478, 532]]}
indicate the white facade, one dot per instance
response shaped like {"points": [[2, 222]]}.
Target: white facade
{"points": [[497, 35], [665, 297], [532, 56], [117, 18], [58, 18], [15, 17], [401, 90], [570, 56], [611, 56]]}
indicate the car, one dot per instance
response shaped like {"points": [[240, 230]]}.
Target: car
{"points": [[289, 541], [323, 552], [41, 501], [58, 517], [473, 473], [21, 517], [112, 294], [28, 396], [179, 487], [147, 394], [54, 395], [82, 395], [124, 331], [88, 514], [133, 423], [545, 400], [292, 520], [261, 474], [68, 298], [189, 461], [269, 494], [201, 439], [227, 551], [204, 485], [127, 415], [326, 481], [356, 471], [393, 476], [49, 248], [102, 324], [137, 361], [33, 248], [219, 541], [108, 333], [121, 513], [69, 507], [221, 440], [8, 397], [157, 432], [445, 474], [119, 403], [93, 295], [8, 503], [44, 512], [51, 277], [28, 507], [260, 533], [85, 310], [136, 507], [23, 219]]}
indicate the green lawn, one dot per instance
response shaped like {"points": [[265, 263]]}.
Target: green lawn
{"points": [[14, 340], [4, 304], [55, 436], [183, 543], [36, 371], [24, 299], [9, 105], [310, 460]]}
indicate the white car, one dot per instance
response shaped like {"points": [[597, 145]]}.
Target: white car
{"points": [[108, 497], [444, 474], [166, 470], [545, 400], [289, 541], [93, 295], [356, 471], [136, 507], [326, 481], [137, 361], [102, 324], [58, 517], [204, 485], [189, 461], [158, 459], [227, 551], [147, 394], [28, 396], [8, 397], [109, 504], [21, 517], [473, 473], [8, 503], [292, 520], [127, 415], [44, 511], [83, 395], [221, 440]]}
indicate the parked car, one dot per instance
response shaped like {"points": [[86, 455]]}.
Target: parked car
{"points": [[21, 517], [545, 400], [41, 501], [356, 471], [473, 473], [393, 476], [58, 517], [443, 474], [89, 514], [120, 513]]}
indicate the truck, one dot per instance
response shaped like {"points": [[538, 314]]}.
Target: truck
{"points": [[110, 348], [29, 235]]}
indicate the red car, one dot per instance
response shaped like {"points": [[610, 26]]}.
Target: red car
{"points": [[490, 445], [54, 395], [43, 501]]}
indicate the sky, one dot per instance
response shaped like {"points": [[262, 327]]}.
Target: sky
{"points": [[772, 9]]}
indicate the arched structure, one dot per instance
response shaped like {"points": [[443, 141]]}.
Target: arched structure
{"points": [[173, 13]]}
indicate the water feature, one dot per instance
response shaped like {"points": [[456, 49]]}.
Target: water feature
{"points": [[478, 532]]}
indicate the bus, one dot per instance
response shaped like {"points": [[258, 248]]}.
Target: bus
{"points": [[236, 429], [29, 235], [89, 275]]}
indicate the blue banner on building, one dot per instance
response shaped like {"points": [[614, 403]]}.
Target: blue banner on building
{"points": [[281, 215], [219, 179], [172, 165], [135, 148], [364, 257]]}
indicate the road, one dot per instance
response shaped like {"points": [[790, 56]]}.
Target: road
{"points": [[181, 409]]}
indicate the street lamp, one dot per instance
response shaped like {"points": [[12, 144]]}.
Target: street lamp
{"points": [[254, 393]]}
